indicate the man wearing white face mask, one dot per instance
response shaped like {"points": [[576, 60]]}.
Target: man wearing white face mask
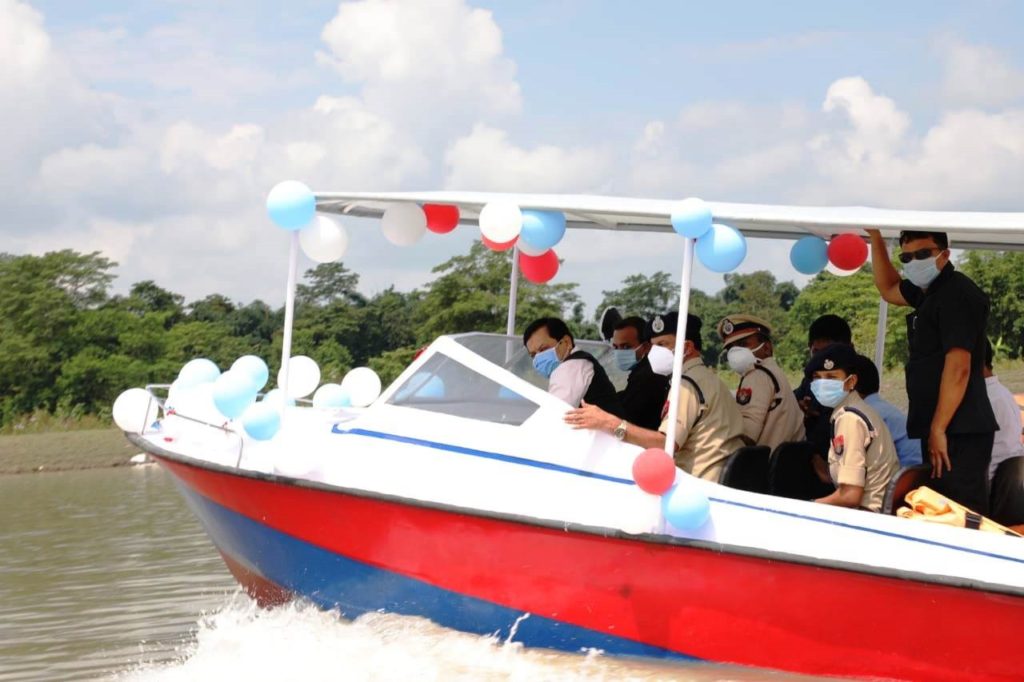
{"points": [[771, 414], [949, 407]]}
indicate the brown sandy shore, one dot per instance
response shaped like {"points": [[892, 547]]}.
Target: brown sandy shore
{"points": [[64, 451]]}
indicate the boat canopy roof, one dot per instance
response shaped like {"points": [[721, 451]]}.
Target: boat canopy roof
{"points": [[966, 229]]}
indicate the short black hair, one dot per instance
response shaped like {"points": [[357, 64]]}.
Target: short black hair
{"points": [[868, 380], [940, 238], [989, 354], [556, 329], [637, 323], [829, 328]]}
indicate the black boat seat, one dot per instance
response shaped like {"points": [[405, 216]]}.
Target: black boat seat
{"points": [[791, 473], [903, 481], [1007, 495], [747, 469]]}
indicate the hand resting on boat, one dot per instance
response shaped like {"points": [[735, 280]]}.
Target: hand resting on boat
{"points": [[590, 416]]}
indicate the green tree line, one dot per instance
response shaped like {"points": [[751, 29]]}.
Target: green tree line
{"points": [[68, 346]]}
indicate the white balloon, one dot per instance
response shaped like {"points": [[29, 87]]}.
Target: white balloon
{"points": [[841, 273], [362, 385], [197, 402], [528, 250], [403, 224], [135, 410], [324, 240], [303, 376], [501, 221]]}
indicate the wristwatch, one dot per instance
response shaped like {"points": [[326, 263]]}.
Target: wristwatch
{"points": [[620, 430]]}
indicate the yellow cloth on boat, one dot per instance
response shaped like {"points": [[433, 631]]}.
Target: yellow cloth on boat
{"points": [[928, 505]]}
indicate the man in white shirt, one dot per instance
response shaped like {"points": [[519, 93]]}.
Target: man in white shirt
{"points": [[1007, 443], [573, 375]]}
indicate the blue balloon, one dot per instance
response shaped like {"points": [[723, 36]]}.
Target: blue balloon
{"points": [[276, 395], [691, 218], [685, 506], [722, 249], [809, 255], [331, 396], [542, 229], [196, 372], [254, 368], [261, 420], [291, 205], [232, 393], [422, 385]]}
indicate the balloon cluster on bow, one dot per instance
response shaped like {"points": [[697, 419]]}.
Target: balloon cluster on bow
{"points": [[720, 247], [203, 393], [504, 225], [683, 504], [843, 255]]}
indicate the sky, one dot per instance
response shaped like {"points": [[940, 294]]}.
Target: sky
{"points": [[153, 131]]}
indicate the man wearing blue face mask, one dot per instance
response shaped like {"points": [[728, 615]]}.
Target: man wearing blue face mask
{"points": [[645, 392], [949, 407], [573, 375], [862, 455]]}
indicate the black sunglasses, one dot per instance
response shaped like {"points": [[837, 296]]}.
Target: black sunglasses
{"points": [[920, 254]]}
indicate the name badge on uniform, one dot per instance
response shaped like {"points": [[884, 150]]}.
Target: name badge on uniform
{"points": [[838, 445], [743, 395]]}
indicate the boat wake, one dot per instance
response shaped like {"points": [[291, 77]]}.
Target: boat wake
{"points": [[299, 641]]}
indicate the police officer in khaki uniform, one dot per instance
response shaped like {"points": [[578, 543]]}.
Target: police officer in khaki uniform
{"points": [[708, 428], [862, 456], [771, 413]]}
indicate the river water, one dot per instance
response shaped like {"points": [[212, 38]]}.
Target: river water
{"points": [[105, 574]]}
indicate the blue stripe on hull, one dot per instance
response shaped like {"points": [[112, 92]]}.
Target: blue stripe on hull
{"points": [[335, 581]]}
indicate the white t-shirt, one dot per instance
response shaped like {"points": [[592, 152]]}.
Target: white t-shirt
{"points": [[1007, 443], [571, 379]]}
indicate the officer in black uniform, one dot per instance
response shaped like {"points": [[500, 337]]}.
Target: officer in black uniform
{"points": [[949, 407], [645, 392]]}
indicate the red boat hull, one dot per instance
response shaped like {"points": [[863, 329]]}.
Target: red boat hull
{"points": [[666, 598]]}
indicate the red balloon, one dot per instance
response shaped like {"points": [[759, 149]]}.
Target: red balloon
{"points": [[441, 218], [498, 246], [539, 269], [848, 251], [654, 471]]}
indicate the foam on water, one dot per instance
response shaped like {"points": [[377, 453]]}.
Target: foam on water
{"points": [[299, 641]]}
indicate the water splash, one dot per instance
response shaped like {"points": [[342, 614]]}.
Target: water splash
{"points": [[300, 641]]}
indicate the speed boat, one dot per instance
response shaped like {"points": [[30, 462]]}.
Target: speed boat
{"points": [[476, 506]]}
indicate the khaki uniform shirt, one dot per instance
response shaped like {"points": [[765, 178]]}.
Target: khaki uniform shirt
{"points": [[705, 438], [857, 458], [770, 417]]}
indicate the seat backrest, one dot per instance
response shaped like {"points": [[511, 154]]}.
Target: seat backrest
{"points": [[903, 481], [791, 473], [747, 469], [1007, 497]]}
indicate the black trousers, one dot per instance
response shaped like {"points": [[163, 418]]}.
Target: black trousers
{"points": [[967, 482]]}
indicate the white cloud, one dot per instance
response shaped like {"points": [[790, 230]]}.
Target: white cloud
{"points": [[978, 75], [486, 160], [429, 63]]}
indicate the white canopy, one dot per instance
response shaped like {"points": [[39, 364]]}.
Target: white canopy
{"points": [[966, 229]]}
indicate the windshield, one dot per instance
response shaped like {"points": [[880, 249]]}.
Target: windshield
{"points": [[509, 353]]}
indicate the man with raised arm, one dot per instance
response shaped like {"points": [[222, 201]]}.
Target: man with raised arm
{"points": [[949, 407]]}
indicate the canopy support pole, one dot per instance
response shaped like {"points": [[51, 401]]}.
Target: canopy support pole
{"points": [[685, 281], [513, 293], [289, 314]]}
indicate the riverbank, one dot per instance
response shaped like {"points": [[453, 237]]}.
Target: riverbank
{"points": [[64, 451]]}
